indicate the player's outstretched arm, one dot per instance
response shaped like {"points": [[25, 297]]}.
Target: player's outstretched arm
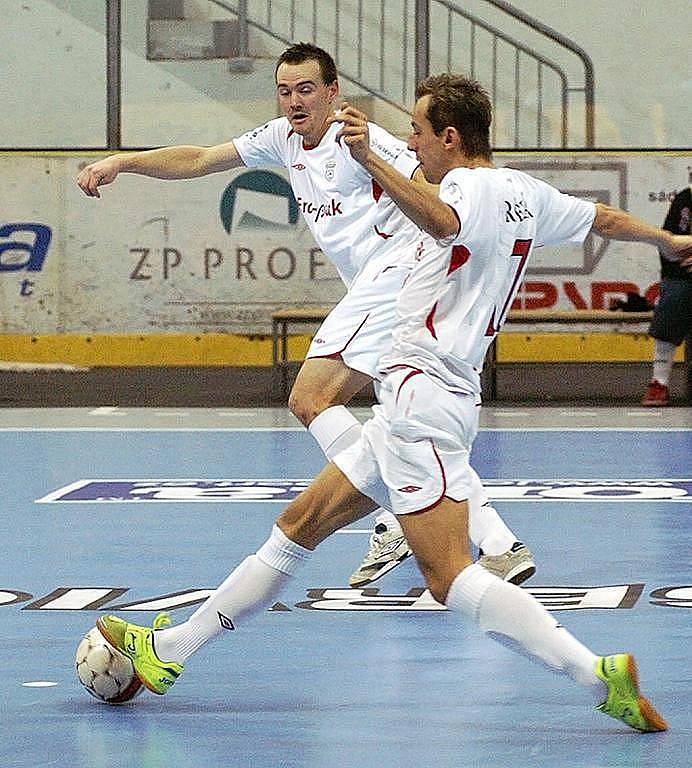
{"points": [[178, 162], [418, 200], [619, 225]]}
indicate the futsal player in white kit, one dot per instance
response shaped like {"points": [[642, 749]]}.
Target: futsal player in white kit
{"points": [[415, 449], [367, 238]]}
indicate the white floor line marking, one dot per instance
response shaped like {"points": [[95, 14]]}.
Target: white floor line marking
{"points": [[107, 410], [355, 530], [40, 684]]}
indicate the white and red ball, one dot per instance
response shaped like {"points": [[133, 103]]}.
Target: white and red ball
{"points": [[104, 671]]}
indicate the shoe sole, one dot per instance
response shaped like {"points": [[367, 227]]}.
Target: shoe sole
{"points": [[102, 629], [521, 573], [654, 721], [379, 574]]}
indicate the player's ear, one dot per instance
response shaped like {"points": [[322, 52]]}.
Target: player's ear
{"points": [[333, 90], [451, 138]]}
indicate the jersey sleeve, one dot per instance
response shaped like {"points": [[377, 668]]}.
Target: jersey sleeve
{"points": [[265, 145], [392, 150], [459, 199], [564, 218]]}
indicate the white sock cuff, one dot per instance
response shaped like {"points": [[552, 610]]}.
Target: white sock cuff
{"points": [[335, 429], [387, 518], [664, 354], [467, 590], [282, 554]]}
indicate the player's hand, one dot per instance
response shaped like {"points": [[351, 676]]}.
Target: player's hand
{"points": [[354, 131], [96, 175], [678, 248]]}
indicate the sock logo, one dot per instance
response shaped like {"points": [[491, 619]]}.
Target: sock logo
{"points": [[225, 622]]}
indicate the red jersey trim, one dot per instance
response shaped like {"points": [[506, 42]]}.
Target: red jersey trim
{"points": [[460, 255], [413, 372], [429, 321]]}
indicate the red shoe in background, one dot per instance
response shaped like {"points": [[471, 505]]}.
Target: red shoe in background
{"points": [[656, 395]]}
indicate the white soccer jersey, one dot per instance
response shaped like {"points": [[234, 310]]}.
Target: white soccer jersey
{"points": [[458, 295], [351, 219]]}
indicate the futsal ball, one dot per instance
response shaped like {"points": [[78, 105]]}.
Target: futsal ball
{"points": [[104, 671]]}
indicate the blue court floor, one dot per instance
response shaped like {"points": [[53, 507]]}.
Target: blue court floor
{"points": [[136, 510]]}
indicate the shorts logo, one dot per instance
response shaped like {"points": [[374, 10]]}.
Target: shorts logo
{"points": [[409, 489]]}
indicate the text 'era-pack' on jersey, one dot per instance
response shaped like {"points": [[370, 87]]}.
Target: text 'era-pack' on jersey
{"points": [[459, 292], [350, 218]]}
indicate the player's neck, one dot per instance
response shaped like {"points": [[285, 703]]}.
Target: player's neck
{"points": [[311, 141], [477, 162]]}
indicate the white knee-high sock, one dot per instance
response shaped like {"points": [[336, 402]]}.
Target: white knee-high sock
{"points": [[487, 530], [514, 617], [335, 429], [664, 353], [250, 589]]}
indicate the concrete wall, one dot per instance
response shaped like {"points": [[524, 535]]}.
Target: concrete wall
{"points": [[52, 55]]}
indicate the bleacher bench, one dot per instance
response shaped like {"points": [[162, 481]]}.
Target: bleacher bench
{"points": [[283, 319]]}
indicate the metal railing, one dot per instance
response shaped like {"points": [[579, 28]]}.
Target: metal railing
{"points": [[588, 85], [339, 28], [383, 47], [345, 28]]}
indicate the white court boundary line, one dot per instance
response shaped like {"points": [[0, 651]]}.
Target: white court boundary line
{"points": [[303, 429]]}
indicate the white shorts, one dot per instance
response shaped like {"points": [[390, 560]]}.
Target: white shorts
{"points": [[359, 328], [416, 448]]}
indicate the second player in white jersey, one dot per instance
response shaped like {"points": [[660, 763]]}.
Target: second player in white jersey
{"points": [[351, 219], [458, 295]]}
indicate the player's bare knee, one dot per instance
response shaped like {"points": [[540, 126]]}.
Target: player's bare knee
{"points": [[305, 404], [300, 407]]}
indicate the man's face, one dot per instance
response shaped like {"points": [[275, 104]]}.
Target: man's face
{"points": [[427, 146], [305, 99]]}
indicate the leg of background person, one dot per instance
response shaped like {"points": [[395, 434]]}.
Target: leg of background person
{"points": [[657, 392], [664, 353], [328, 504], [439, 540], [670, 324]]}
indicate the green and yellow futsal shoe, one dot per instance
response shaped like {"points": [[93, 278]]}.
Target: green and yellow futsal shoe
{"points": [[625, 702], [137, 643]]}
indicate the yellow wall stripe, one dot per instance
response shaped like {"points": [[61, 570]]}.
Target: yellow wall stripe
{"points": [[212, 349], [576, 347], [235, 350]]}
